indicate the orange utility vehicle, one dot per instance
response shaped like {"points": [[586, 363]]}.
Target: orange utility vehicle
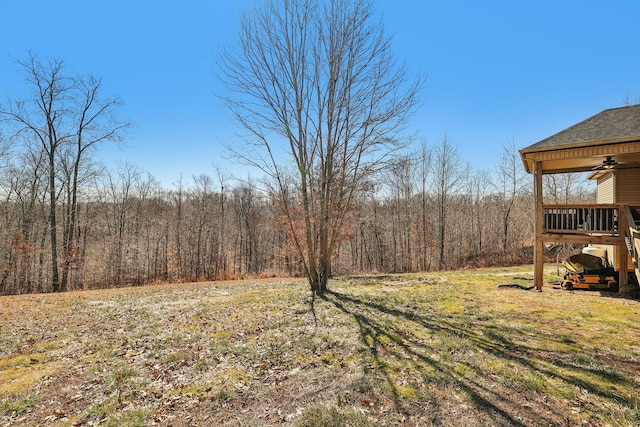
{"points": [[586, 271]]}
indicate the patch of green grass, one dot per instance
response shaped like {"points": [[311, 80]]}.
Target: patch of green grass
{"points": [[138, 417], [102, 410], [222, 396], [200, 365], [363, 385], [532, 381], [451, 344], [586, 314], [436, 377], [196, 390], [611, 375], [408, 392], [21, 373], [123, 374], [18, 404], [321, 416], [121, 379], [632, 417], [580, 358], [178, 356], [567, 339]]}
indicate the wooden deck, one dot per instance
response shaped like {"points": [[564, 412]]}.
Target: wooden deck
{"points": [[599, 224], [581, 219], [632, 238], [583, 224]]}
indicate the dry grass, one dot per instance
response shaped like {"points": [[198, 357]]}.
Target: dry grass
{"points": [[428, 349]]}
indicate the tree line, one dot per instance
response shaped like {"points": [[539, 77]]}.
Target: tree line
{"points": [[427, 211]]}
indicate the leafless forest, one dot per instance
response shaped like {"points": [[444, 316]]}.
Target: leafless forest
{"points": [[429, 211], [70, 223]]}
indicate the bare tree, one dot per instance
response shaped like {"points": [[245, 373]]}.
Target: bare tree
{"points": [[401, 185], [324, 103], [178, 200], [95, 122], [510, 178], [221, 251], [25, 224], [478, 184], [64, 117], [118, 193], [5, 151], [246, 209], [203, 200], [425, 158], [448, 175], [631, 100], [43, 119]]}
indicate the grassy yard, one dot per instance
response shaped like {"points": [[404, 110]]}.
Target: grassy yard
{"points": [[425, 349]]}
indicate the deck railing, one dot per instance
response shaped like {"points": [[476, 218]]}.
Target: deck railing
{"points": [[632, 239], [581, 219]]}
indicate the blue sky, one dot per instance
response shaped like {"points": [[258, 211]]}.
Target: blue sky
{"points": [[496, 70]]}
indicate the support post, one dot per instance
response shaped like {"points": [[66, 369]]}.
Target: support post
{"points": [[538, 246], [623, 252]]}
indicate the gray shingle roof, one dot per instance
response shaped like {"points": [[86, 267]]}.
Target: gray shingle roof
{"points": [[614, 124]]}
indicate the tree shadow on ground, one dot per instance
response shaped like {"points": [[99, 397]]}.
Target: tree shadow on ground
{"points": [[508, 377]]}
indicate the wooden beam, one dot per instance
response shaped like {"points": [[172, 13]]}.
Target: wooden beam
{"points": [[623, 256], [538, 247], [582, 239]]}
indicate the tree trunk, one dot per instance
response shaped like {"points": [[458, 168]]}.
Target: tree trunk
{"points": [[53, 227], [319, 281]]}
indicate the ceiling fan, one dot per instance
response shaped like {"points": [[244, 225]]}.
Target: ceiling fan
{"points": [[607, 164]]}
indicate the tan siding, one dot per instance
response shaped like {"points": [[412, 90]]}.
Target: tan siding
{"points": [[605, 193], [627, 193], [628, 186]]}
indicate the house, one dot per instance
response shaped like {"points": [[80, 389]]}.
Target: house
{"points": [[608, 146]]}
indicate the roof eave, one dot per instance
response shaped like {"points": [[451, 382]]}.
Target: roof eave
{"points": [[532, 154], [534, 149]]}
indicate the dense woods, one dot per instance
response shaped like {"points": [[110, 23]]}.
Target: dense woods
{"points": [[130, 231]]}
